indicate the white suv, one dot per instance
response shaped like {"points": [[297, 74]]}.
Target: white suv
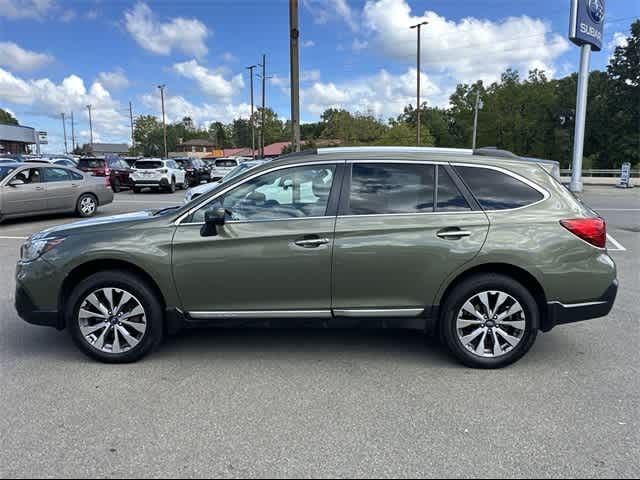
{"points": [[222, 166], [157, 173]]}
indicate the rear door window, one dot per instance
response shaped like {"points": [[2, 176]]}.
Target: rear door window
{"points": [[391, 188], [496, 190], [56, 175], [449, 197]]}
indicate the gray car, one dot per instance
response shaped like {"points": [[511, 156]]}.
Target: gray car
{"points": [[28, 189]]}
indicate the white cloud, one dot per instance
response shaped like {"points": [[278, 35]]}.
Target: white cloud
{"points": [[310, 75], [358, 45], [25, 9], [115, 80], [308, 43], [178, 107], [469, 49], [383, 94], [185, 35], [91, 15], [44, 97], [18, 59], [68, 16], [228, 57], [324, 11], [619, 40], [211, 82]]}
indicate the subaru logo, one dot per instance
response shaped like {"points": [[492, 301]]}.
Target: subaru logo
{"points": [[596, 10]]}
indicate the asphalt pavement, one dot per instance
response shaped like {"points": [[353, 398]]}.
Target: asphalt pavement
{"points": [[319, 403]]}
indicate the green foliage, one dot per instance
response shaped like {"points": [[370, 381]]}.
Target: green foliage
{"points": [[6, 118]]}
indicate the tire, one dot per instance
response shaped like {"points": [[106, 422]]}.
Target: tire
{"points": [[96, 345], [503, 326], [87, 205], [172, 185], [137, 190], [115, 186]]}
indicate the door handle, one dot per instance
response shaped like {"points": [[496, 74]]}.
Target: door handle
{"points": [[311, 242], [39, 188], [453, 233]]}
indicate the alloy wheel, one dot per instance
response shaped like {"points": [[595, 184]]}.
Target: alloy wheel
{"points": [[491, 324], [88, 205], [112, 320]]}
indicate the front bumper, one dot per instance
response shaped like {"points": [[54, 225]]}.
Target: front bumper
{"points": [[560, 314], [28, 311]]}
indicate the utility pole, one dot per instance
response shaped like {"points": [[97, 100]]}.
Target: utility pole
{"points": [[295, 74], [164, 123], [133, 139], [419, 27], [253, 127], [264, 80], [64, 133], [475, 119], [90, 127], [73, 133]]}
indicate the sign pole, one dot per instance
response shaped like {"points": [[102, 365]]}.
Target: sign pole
{"points": [[581, 115]]}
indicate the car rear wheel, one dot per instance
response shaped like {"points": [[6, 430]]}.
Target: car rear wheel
{"points": [[116, 186], [490, 321], [87, 205], [114, 317], [137, 190], [172, 185]]}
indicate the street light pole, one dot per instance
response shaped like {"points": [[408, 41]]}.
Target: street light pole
{"points": [[133, 138], [164, 123], [295, 74], [253, 129], [264, 80], [475, 119], [64, 133], [73, 133], [418, 26], [90, 128]]}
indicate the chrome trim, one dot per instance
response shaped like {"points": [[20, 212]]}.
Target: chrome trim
{"points": [[178, 221], [545, 194], [467, 212], [312, 242], [392, 150], [239, 222], [250, 314], [454, 233], [577, 305], [378, 312]]}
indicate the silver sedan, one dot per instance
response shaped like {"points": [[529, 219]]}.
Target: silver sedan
{"points": [[28, 189]]}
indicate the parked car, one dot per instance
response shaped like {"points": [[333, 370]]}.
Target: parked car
{"points": [[28, 189], [116, 170], [157, 173], [195, 192], [195, 169], [222, 166], [485, 250], [131, 161], [56, 160]]}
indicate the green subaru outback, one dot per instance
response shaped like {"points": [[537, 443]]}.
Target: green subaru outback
{"points": [[484, 248]]}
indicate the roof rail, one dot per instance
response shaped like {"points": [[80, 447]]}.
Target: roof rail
{"points": [[494, 152], [451, 151]]}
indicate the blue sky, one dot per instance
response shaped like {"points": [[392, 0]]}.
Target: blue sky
{"points": [[58, 56]]}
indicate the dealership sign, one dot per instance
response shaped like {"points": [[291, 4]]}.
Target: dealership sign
{"points": [[587, 22]]}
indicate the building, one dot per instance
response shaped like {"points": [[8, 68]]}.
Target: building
{"points": [[17, 139], [196, 146], [102, 149]]}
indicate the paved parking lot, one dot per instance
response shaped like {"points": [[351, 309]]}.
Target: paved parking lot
{"points": [[241, 403]]}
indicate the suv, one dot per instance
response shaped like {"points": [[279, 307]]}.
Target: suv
{"points": [[157, 173], [116, 170], [195, 169], [485, 250], [222, 166]]}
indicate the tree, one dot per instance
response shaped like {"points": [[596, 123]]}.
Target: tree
{"points": [[149, 136], [241, 133], [6, 118], [274, 128], [220, 135]]}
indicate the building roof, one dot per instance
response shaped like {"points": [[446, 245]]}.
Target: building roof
{"points": [[110, 148], [198, 142]]}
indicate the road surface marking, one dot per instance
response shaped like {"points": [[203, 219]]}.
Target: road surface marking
{"points": [[619, 247], [12, 238]]}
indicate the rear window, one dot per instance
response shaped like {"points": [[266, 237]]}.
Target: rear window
{"points": [[183, 163], [226, 163], [148, 165], [90, 163], [495, 190]]}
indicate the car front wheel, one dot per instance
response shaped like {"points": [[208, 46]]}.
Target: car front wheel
{"points": [[490, 321], [114, 317]]}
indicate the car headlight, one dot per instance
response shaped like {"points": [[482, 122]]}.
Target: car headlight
{"points": [[33, 249]]}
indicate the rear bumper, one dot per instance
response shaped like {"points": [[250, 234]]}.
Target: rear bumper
{"points": [[560, 314], [159, 182]]}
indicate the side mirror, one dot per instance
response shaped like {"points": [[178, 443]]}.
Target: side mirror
{"points": [[212, 220], [16, 182]]}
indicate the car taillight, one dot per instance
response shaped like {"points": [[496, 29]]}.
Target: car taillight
{"points": [[107, 181], [189, 169], [591, 230]]}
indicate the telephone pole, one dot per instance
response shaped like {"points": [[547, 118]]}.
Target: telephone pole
{"points": [[294, 35], [73, 133], [264, 80], [164, 122], [133, 138], [419, 27], [475, 119], [64, 132], [90, 127], [253, 127]]}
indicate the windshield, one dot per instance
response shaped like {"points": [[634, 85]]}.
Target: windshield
{"points": [[237, 171], [226, 163], [183, 162], [4, 171], [148, 165], [91, 163]]}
